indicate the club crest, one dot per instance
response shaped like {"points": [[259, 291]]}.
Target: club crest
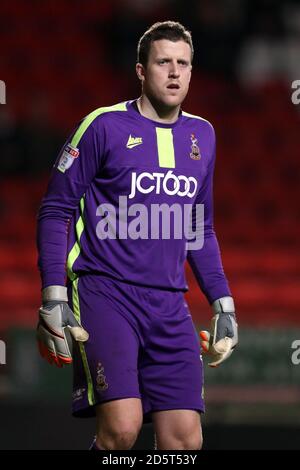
{"points": [[101, 379], [195, 150]]}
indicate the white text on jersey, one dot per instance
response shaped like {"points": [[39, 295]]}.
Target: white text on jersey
{"points": [[169, 184]]}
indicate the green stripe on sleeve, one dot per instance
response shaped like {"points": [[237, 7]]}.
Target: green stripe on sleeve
{"points": [[192, 116], [91, 117], [75, 251]]}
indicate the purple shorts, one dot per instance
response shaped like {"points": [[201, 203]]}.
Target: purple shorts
{"points": [[142, 344]]}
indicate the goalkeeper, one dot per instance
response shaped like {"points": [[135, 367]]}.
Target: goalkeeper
{"points": [[112, 283]]}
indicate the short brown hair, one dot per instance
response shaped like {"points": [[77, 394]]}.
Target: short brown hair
{"points": [[171, 30]]}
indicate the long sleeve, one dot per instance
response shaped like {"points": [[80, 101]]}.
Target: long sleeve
{"points": [[73, 171], [206, 262]]}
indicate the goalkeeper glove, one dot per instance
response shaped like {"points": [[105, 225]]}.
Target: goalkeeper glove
{"points": [[223, 336], [56, 325]]}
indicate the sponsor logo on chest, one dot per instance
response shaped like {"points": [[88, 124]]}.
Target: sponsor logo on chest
{"points": [[170, 184]]}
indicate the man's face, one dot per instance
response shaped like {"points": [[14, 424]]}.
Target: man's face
{"points": [[167, 75]]}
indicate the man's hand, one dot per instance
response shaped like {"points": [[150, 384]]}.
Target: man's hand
{"points": [[55, 327], [223, 335]]}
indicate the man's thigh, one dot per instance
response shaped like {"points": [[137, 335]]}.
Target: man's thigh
{"points": [[106, 366], [171, 369]]}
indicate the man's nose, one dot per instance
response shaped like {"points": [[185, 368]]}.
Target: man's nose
{"points": [[174, 70]]}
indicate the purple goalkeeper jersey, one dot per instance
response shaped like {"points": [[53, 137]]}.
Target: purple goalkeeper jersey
{"points": [[117, 185]]}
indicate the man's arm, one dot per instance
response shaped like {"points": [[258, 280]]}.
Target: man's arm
{"points": [[75, 168], [206, 262], [73, 171], [207, 267]]}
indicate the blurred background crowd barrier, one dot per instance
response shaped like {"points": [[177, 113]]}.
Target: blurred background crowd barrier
{"points": [[62, 59]]}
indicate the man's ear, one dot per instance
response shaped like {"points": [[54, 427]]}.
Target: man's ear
{"points": [[191, 73], [140, 71]]}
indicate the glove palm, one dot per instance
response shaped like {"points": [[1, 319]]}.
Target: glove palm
{"points": [[223, 335], [56, 327]]}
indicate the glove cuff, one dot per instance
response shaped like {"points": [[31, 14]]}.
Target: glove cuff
{"points": [[223, 305], [58, 293]]}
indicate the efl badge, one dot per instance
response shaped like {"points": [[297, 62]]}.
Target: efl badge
{"points": [[195, 153], [68, 156]]}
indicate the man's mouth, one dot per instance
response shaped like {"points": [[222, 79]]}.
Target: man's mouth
{"points": [[174, 86]]}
